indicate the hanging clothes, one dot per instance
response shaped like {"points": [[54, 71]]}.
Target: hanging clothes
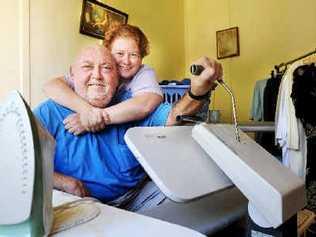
{"points": [[259, 110], [311, 162], [289, 132], [256, 111], [269, 106], [270, 97], [304, 100], [304, 95]]}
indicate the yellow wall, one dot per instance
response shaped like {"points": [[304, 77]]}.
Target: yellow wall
{"points": [[162, 22], [55, 38], [271, 32], [54, 41], [45, 40], [10, 47]]}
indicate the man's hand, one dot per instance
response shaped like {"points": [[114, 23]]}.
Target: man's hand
{"points": [[70, 185], [205, 82], [93, 120], [200, 86]]}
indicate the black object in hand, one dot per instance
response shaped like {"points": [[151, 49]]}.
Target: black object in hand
{"points": [[189, 118], [196, 69]]}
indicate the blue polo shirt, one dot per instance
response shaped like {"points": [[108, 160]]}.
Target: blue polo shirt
{"points": [[102, 161]]}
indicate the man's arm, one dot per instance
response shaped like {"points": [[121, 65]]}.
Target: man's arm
{"points": [[200, 85], [69, 185], [185, 106]]}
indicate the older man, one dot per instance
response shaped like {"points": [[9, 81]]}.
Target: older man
{"points": [[100, 164]]}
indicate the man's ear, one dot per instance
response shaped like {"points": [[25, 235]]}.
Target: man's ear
{"points": [[71, 73]]}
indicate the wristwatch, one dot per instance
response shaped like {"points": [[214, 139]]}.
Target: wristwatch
{"points": [[199, 97]]}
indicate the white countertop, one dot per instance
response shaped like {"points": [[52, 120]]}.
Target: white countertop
{"points": [[114, 222]]}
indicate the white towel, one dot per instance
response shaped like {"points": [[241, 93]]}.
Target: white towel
{"points": [[289, 132]]}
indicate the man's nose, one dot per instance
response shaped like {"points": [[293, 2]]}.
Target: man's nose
{"points": [[96, 73]]}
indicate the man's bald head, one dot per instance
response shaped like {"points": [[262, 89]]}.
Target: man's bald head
{"points": [[94, 75]]}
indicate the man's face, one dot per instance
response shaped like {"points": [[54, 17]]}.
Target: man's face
{"points": [[95, 76]]}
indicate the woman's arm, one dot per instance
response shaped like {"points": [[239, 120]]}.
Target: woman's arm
{"points": [[89, 119], [135, 108], [58, 90], [94, 119]]}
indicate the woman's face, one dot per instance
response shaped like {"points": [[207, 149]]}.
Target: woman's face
{"points": [[127, 56]]}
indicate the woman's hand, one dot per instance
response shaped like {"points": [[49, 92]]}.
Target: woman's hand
{"points": [[73, 124], [94, 120]]}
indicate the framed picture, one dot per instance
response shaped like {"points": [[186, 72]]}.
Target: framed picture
{"points": [[97, 18], [227, 43]]}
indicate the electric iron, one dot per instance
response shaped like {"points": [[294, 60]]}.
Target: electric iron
{"points": [[26, 178], [26, 171]]}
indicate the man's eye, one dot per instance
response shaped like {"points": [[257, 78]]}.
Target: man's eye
{"points": [[87, 66], [121, 54]]}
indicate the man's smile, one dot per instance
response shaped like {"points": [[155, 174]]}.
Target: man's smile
{"points": [[96, 84]]}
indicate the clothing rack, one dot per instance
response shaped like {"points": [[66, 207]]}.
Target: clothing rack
{"points": [[277, 67]]}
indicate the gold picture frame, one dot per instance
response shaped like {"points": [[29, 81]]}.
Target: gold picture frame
{"points": [[227, 42], [97, 18]]}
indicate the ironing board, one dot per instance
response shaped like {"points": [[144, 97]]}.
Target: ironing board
{"points": [[177, 164], [114, 222], [186, 174]]}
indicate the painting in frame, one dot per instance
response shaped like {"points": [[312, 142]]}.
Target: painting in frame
{"points": [[227, 43], [97, 18]]}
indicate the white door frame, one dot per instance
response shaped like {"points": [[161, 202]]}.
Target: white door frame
{"points": [[24, 31]]}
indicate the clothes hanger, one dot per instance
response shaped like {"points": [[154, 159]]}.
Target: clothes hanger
{"points": [[310, 59], [272, 74]]}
